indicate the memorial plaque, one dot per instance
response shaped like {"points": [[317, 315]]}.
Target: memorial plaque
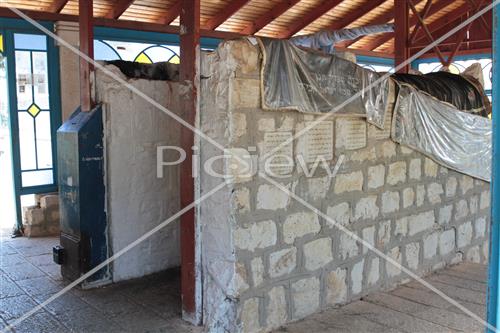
{"points": [[378, 134], [319, 141], [281, 159], [350, 133]]}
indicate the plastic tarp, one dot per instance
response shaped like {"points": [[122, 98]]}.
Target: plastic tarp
{"points": [[315, 82], [455, 139], [326, 40], [450, 88]]}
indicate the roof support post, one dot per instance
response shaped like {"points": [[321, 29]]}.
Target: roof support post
{"points": [[190, 78], [401, 32], [86, 24], [494, 255]]}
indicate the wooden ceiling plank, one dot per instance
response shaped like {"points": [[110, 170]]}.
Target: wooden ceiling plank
{"points": [[355, 14], [57, 6], [224, 14], [267, 18], [172, 13], [308, 18], [118, 9], [372, 45]]}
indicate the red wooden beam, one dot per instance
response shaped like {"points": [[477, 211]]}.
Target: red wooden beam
{"points": [[190, 78], [268, 17], [355, 14], [308, 18], [172, 13], [85, 13], [423, 14], [118, 9], [224, 14], [401, 29], [57, 6], [373, 44]]}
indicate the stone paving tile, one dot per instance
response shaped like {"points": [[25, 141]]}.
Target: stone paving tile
{"points": [[39, 286], [41, 323], [11, 259], [8, 288], [14, 307], [64, 303], [41, 260], [23, 271], [88, 320]]}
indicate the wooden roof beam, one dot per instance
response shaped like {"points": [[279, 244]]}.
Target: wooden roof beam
{"points": [[268, 17], [372, 45], [172, 13], [309, 18], [225, 14], [57, 6], [118, 9], [356, 14]]}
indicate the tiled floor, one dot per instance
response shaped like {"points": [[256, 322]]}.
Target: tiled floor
{"points": [[28, 277]]}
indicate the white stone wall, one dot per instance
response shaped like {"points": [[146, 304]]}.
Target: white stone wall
{"points": [[269, 260], [137, 200]]}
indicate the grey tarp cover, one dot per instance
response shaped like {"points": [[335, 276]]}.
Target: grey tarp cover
{"points": [[315, 82], [458, 140]]}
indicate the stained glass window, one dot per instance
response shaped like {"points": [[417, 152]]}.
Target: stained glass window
{"points": [[33, 110], [139, 52]]}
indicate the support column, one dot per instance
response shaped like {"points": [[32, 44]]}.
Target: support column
{"points": [[86, 25], [494, 257], [189, 76], [401, 33]]}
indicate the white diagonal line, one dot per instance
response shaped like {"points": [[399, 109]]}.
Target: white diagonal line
{"points": [[113, 258], [381, 79], [379, 253]]}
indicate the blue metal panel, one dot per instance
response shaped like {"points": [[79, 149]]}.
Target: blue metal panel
{"points": [[493, 270], [82, 194]]}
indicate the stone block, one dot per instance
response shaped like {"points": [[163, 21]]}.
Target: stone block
{"points": [[348, 182], [258, 235], [318, 253], [373, 272], [485, 200], [390, 202], [357, 277], [396, 173], [413, 255], [336, 286], [415, 169], [266, 124], [464, 234], [247, 58], [391, 269], [401, 226], [408, 197], [244, 93], [430, 245], [447, 241], [376, 176], [474, 204], [271, 197], [318, 187], [369, 237], [434, 192], [34, 215], [300, 224], [350, 133], [282, 262], [480, 227], [237, 125], [276, 308], [348, 246], [466, 184], [49, 201], [241, 278], [240, 200], [257, 267], [384, 234], [386, 149], [461, 209], [305, 296], [451, 187], [366, 208], [405, 150], [250, 315], [430, 168], [340, 214], [445, 215], [362, 155], [420, 222], [473, 255], [420, 195]]}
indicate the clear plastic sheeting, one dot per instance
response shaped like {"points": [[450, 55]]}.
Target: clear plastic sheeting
{"points": [[326, 40], [315, 82], [455, 139]]}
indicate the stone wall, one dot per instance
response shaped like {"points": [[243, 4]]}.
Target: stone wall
{"points": [[268, 259], [42, 219], [137, 200]]}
